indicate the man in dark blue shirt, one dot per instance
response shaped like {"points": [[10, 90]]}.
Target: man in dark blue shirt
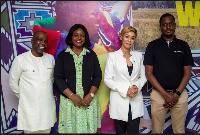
{"points": [[168, 62]]}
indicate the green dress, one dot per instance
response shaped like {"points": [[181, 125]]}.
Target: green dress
{"points": [[73, 119]]}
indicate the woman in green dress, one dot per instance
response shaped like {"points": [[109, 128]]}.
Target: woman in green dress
{"points": [[77, 74]]}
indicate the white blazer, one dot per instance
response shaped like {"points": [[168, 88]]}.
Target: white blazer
{"points": [[117, 78]]}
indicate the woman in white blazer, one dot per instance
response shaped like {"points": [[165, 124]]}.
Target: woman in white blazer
{"points": [[125, 76]]}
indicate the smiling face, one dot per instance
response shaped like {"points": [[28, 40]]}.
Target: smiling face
{"points": [[78, 38], [128, 39], [39, 43]]}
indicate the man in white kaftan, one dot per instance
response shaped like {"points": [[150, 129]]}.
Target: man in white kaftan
{"points": [[31, 80]]}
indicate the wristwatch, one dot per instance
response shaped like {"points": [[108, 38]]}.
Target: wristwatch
{"points": [[92, 95], [178, 93]]}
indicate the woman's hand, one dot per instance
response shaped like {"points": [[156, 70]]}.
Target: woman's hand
{"points": [[133, 91], [86, 100], [73, 97], [76, 100]]}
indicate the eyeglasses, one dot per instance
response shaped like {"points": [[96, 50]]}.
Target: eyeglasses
{"points": [[166, 24]]}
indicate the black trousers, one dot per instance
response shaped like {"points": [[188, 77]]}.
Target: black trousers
{"points": [[130, 127]]}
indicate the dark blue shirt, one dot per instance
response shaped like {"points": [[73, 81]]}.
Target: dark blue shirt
{"points": [[130, 69]]}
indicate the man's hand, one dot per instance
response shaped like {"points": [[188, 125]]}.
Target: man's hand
{"points": [[173, 100]]}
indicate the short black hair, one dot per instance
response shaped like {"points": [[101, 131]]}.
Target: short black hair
{"points": [[68, 39], [164, 15], [38, 32]]}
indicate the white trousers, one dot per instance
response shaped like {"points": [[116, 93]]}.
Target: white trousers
{"points": [[39, 131]]}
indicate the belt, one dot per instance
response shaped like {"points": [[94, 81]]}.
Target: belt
{"points": [[173, 90]]}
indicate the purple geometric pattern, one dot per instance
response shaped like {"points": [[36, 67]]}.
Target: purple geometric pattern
{"points": [[7, 52], [26, 23], [13, 43]]}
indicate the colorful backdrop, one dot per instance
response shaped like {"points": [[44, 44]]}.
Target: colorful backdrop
{"points": [[104, 20]]}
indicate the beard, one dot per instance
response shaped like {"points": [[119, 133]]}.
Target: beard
{"points": [[41, 50]]}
